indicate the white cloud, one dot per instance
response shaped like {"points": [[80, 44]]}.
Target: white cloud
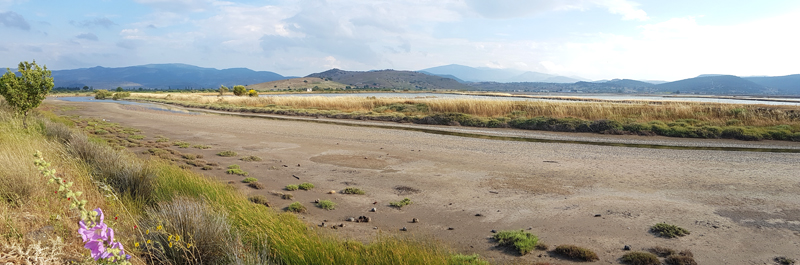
{"points": [[178, 6], [520, 8], [629, 10]]}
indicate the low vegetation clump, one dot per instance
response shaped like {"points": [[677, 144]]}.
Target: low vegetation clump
{"points": [[576, 253], [227, 153], [326, 204], [661, 251], [161, 139], [460, 259], [520, 240], [683, 258], [181, 144], [259, 199], [784, 261], [256, 185], [249, 180], [640, 258], [250, 159], [136, 137], [296, 207], [400, 204], [291, 187], [200, 146], [286, 196], [353, 190], [668, 230], [236, 170], [306, 186]]}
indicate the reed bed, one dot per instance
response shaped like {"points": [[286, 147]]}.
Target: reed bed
{"points": [[716, 114]]}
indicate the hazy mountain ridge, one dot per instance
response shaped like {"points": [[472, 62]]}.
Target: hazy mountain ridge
{"points": [[485, 74], [392, 79], [160, 76]]}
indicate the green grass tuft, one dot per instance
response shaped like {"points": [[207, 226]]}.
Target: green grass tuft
{"points": [[306, 186], [181, 144], [249, 180], [668, 230], [326, 204], [250, 158], [291, 187], [522, 241], [352, 190], [296, 207], [227, 153], [400, 204], [460, 259]]}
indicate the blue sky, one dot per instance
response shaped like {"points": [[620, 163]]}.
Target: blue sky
{"points": [[594, 39]]}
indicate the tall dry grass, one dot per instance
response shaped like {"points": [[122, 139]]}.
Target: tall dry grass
{"points": [[631, 111]]}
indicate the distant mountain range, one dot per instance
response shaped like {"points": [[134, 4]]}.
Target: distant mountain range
{"points": [[450, 77], [485, 74], [160, 76], [390, 79]]}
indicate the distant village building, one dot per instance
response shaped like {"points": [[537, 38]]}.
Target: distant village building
{"points": [[309, 89]]}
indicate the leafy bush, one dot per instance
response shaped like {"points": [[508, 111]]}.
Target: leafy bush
{"points": [[400, 204], [668, 230], [306, 186], [136, 137], [249, 180], [102, 94], [256, 185], [523, 241], [189, 156], [200, 146], [460, 259], [661, 251], [291, 187], [678, 259], [326, 204], [227, 153], [576, 253], [252, 93], [250, 158], [640, 258], [236, 170], [286, 196], [296, 207], [352, 190], [181, 144]]}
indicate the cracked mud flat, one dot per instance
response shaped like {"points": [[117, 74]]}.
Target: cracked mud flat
{"points": [[741, 207]]}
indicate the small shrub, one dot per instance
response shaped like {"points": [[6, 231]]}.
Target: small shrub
{"points": [[400, 204], [161, 139], [100, 132], [784, 261], [234, 166], [259, 199], [200, 146], [661, 251], [250, 158], [668, 230], [207, 167], [306, 186], [542, 246], [136, 137], [189, 156], [249, 180], [291, 187], [256, 185], [237, 171], [460, 259], [286, 196], [181, 144], [296, 207], [682, 260], [326, 204], [352, 190], [227, 153], [523, 241], [640, 258], [576, 253]]}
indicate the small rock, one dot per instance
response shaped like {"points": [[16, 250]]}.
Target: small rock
{"points": [[341, 225], [322, 225], [415, 220], [477, 214], [325, 220], [403, 229], [296, 177], [364, 219], [351, 219], [597, 215], [298, 165], [332, 192], [316, 201], [530, 228], [373, 210], [450, 228], [627, 247], [375, 202], [494, 231], [374, 227]]}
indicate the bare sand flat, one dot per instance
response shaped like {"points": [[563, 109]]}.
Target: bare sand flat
{"points": [[741, 207]]}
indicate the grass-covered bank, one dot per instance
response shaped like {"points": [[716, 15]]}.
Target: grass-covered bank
{"points": [[674, 119], [163, 214]]}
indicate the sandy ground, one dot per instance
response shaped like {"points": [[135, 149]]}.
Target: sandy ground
{"points": [[741, 207]]}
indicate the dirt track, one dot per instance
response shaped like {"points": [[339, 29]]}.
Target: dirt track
{"points": [[741, 207]]}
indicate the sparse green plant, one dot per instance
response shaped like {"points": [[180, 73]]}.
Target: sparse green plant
{"points": [[326, 204], [460, 259], [640, 258], [306, 186], [576, 253], [679, 259], [189, 156], [234, 166], [353, 190], [259, 199], [227, 153], [256, 185], [136, 137], [200, 146], [296, 207], [161, 139], [661, 251], [100, 132], [250, 158], [249, 180], [400, 204], [236, 170], [291, 187], [181, 144], [668, 230], [207, 167], [286, 196], [784, 261], [520, 240]]}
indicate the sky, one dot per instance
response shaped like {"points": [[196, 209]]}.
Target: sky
{"points": [[592, 39]]}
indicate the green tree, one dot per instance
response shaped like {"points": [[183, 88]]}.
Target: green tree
{"points": [[239, 90], [26, 92], [252, 93], [222, 90], [119, 89]]}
